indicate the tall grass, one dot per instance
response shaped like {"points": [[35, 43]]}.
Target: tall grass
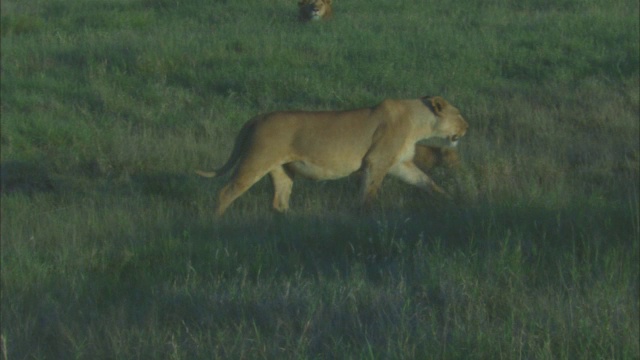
{"points": [[110, 248]]}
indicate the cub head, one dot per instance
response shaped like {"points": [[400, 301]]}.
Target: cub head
{"points": [[450, 125], [312, 10]]}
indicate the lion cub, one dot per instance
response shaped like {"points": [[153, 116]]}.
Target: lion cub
{"points": [[312, 10], [324, 145], [428, 156]]}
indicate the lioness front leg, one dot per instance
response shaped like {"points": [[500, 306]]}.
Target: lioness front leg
{"points": [[387, 142], [410, 173], [374, 172], [371, 182]]}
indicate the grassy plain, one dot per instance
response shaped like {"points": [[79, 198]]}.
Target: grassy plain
{"points": [[110, 249]]}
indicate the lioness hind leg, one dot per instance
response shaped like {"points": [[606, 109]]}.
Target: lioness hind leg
{"points": [[228, 194], [282, 184], [241, 182], [251, 169]]}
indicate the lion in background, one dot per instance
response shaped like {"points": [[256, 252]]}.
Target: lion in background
{"points": [[326, 145], [313, 10]]}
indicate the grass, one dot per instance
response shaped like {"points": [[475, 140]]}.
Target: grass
{"points": [[110, 248]]}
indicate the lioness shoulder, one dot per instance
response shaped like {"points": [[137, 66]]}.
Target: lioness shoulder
{"points": [[325, 145]]}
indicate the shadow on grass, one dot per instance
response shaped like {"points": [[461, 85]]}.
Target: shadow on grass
{"points": [[24, 177], [327, 238], [33, 177], [343, 271], [165, 184], [386, 241]]}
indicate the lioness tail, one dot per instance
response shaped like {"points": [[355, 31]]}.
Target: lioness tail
{"points": [[238, 149]]}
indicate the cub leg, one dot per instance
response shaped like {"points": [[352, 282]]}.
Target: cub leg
{"points": [[282, 184], [410, 173]]}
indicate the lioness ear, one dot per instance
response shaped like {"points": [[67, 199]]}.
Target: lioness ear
{"points": [[328, 2], [438, 103]]}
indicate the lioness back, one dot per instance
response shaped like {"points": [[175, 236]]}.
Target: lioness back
{"points": [[325, 145], [320, 145]]}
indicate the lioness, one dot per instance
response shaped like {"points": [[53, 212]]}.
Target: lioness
{"points": [[333, 144], [311, 10]]}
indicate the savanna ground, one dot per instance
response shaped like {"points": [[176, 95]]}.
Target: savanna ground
{"points": [[109, 245]]}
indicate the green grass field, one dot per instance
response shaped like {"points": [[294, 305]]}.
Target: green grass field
{"points": [[109, 245]]}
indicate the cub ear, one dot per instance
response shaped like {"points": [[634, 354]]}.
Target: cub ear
{"points": [[438, 103], [328, 2]]}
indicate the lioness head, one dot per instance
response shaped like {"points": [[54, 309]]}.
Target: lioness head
{"points": [[450, 125], [314, 9]]}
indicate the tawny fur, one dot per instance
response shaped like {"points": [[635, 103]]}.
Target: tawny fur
{"points": [[327, 145], [428, 156], [311, 10]]}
